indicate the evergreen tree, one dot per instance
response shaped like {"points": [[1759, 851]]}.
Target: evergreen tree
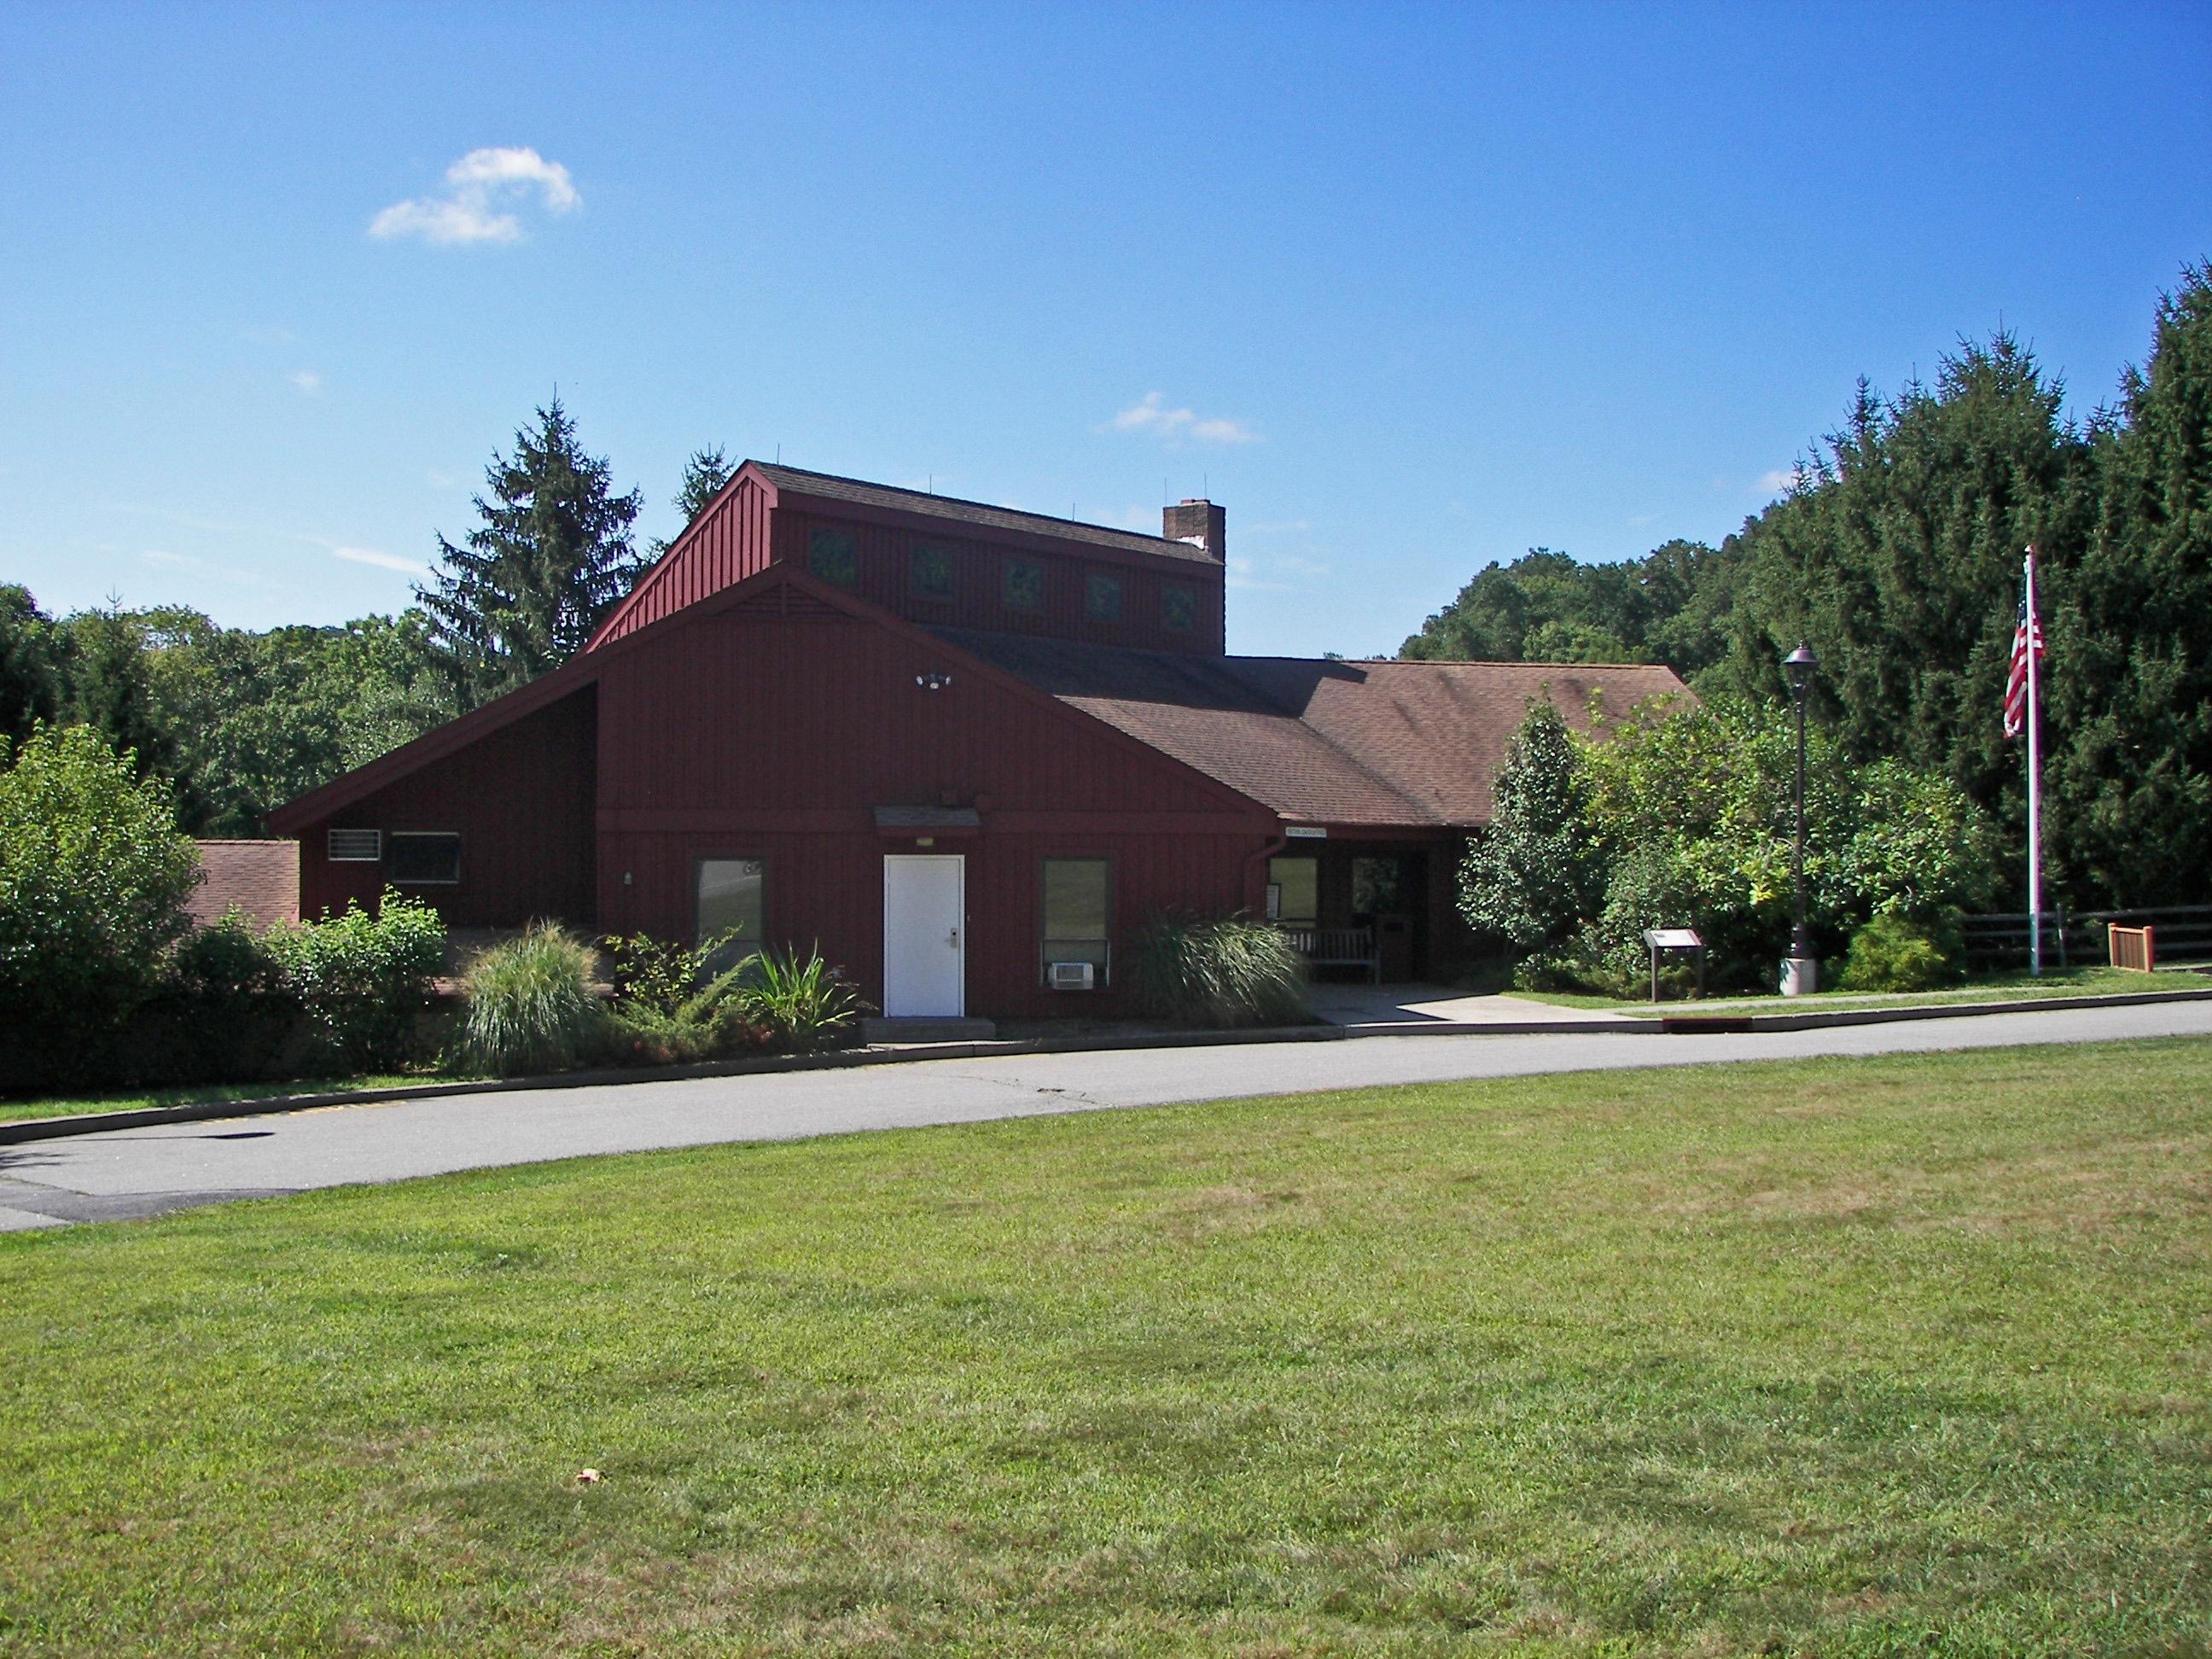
{"points": [[30, 678], [2127, 689], [552, 556], [1536, 871], [704, 474], [109, 687], [1898, 559]]}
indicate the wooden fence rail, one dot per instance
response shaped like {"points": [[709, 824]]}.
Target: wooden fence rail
{"points": [[2185, 933]]}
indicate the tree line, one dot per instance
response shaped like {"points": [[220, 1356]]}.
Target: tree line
{"points": [[236, 722], [1896, 554]]}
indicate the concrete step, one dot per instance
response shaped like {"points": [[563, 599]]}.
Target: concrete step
{"points": [[928, 1031]]}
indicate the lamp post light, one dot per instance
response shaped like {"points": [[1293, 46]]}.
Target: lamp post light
{"points": [[1801, 973]]}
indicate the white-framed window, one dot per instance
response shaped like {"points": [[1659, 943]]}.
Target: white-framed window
{"points": [[355, 845], [730, 898], [422, 858], [1296, 898], [1077, 916]]}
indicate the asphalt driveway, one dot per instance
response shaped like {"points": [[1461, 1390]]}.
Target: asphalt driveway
{"points": [[129, 1173]]}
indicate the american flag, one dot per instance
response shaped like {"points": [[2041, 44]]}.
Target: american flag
{"points": [[2027, 636]]}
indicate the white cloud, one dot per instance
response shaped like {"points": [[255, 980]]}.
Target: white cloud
{"points": [[172, 561], [308, 381], [381, 561], [1284, 526], [1219, 430], [484, 183], [1153, 415], [1776, 481]]}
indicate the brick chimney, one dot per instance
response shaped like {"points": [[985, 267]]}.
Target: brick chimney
{"points": [[1193, 520]]}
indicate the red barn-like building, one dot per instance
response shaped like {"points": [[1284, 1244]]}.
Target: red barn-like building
{"points": [[967, 750]]}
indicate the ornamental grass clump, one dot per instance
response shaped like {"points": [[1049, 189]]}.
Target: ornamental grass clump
{"points": [[528, 1007], [1217, 973]]}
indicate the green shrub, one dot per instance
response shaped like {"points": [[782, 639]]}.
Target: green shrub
{"points": [[363, 979], [1215, 974], [803, 1005], [656, 973], [225, 1011], [527, 1006], [1897, 953], [94, 876], [670, 1009]]}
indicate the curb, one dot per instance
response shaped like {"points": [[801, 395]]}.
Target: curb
{"points": [[208, 1111]]}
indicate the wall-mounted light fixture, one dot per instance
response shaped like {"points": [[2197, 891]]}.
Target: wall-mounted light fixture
{"points": [[933, 682]]}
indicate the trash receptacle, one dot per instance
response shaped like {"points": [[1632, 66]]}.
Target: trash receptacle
{"points": [[1393, 949]]}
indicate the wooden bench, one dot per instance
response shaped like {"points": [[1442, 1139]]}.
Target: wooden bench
{"points": [[1337, 947]]}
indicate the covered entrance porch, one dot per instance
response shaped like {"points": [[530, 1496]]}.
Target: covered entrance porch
{"points": [[1365, 905]]}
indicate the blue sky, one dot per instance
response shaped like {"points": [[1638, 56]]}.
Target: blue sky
{"points": [[1407, 289]]}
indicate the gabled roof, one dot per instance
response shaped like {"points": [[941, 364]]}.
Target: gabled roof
{"points": [[825, 486], [785, 590], [1397, 744], [1394, 743]]}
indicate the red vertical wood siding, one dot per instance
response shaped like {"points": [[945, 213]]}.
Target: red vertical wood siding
{"points": [[521, 797], [751, 735], [729, 544]]}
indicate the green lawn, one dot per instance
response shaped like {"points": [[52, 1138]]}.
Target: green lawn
{"points": [[2093, 982], [1846, 1358]]}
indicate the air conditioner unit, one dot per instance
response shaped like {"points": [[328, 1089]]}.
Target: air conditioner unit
{"points": [[1071, 976]]}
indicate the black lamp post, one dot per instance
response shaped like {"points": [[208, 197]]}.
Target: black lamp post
{"points": [[1797, 668]]}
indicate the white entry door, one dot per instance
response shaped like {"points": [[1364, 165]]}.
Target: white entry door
{"points": [[925, 935]]}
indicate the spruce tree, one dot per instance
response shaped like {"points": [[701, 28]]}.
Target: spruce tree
{"points": [[704, 474], [110, 688], [30, 680], [529, 584], [2127, 684]]}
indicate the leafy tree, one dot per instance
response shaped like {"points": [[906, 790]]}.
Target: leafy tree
{"points": [[94, 876], [1536, 871], [1548, 607], [1695, 811], [529, 584], [30, 669]]}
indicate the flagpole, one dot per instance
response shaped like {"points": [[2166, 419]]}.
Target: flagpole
{"points": [[2034, 790]]}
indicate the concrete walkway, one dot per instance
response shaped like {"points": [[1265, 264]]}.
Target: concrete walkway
{"points": [[140, 1172], [1355, 1006]]}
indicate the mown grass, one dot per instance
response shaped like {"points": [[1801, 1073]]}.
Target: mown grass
{"points": [[1845, 1358], [2056, 982]]}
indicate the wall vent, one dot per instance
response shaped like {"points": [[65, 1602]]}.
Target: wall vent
{"points": [[357, 845], [1070, 976]]}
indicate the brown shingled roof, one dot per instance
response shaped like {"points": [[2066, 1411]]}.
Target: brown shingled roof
{"points": [[1394, 743], [260, 878], [827, 486]]}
